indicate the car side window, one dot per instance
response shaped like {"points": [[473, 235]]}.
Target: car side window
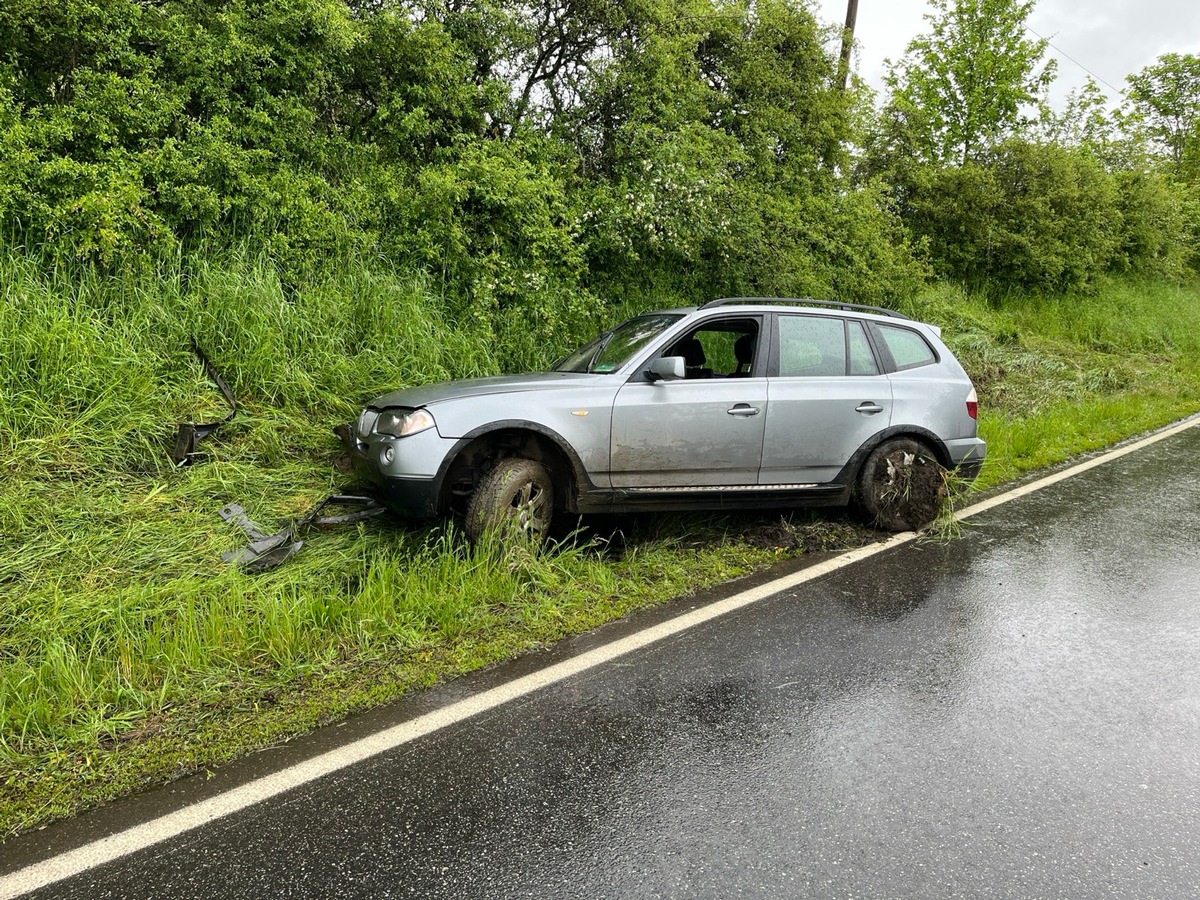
{"points": [[724, 348], [862, 360], [908, 349], [811, 346]]}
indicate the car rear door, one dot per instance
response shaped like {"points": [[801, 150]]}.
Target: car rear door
{"points": [[826, 397]]}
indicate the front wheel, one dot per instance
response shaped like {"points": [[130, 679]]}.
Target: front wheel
{"points": [[516, 497], [901, 487]]}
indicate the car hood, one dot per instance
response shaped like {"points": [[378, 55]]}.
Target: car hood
{"points": [[476, 387]]}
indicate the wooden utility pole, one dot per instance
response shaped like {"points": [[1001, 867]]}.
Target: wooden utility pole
{"points": [[847, 43]]}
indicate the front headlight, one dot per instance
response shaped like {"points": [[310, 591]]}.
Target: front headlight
{"points": [[403, 422]]}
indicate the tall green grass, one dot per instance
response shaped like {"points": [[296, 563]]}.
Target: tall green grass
{"points": [[112, 594], [1061, 375], [116, 612], [96, 367], [119, 625]]}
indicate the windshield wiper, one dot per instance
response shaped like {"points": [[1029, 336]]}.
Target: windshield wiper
{"points": [[602, 343]]}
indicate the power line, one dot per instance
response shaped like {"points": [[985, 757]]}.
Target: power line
{"points": [[1070, 58]]}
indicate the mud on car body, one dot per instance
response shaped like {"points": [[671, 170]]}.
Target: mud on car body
{"points": [[741, 403]]}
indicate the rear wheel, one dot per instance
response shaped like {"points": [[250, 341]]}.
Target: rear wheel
{"points": [[901, 487], [514, 498]]}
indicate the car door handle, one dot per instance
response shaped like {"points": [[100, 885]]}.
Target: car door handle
{"points": [[868, 408], [743, 410]]}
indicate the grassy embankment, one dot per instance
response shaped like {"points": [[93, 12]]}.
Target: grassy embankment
{"points": [[129, 653]]}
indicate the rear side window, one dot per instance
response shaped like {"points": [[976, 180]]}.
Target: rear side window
{"points": [[810, 346], [908, 349]]}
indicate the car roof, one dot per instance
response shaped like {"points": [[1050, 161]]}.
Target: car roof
{"points": [[769, 304], [814, 307]]}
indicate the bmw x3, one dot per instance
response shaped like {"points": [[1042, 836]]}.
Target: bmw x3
{"points": [[741, 403]]}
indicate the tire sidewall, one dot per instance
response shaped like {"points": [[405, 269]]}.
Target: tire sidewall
{"points": [[875, 482], [491, 506]]}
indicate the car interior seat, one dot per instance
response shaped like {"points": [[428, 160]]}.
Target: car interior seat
{"points": [[743, 351], [694, 359]]}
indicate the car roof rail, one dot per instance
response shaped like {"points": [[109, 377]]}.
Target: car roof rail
{"points": [[797, 301]]}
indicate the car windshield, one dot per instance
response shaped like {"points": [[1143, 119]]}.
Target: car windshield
{"points": [[613, 349]]}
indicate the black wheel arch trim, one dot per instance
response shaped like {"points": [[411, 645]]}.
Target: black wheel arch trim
{"points": [[849, 472], [582, 481]]}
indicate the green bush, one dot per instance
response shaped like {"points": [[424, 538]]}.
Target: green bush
{"points": [[677, 148], [1189, 206], [1025, 216], [1153, 234]]}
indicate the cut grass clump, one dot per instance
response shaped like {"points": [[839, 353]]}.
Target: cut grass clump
{"points": [[129, 653]]}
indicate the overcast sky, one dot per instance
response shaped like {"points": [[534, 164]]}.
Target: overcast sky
{"points": [[1110, 38]]}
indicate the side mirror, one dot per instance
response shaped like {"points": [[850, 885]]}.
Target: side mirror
{"points": [[667, 368]]}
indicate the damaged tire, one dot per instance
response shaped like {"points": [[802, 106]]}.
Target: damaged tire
{"points": [[901, 487], [514, 498]]}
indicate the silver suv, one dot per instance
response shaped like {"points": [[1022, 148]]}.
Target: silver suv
{"points": [[741, 403]]}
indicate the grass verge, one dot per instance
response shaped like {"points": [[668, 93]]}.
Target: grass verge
{"points": [[130, 655]]}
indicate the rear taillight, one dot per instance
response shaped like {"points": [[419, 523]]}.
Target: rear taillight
{"points": [[973, 404]]}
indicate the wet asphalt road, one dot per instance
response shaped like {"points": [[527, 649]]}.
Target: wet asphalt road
{"points": [[1016, 714]]}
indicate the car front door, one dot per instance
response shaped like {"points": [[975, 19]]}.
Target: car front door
{"points": [[705, 430], [826, 398]]}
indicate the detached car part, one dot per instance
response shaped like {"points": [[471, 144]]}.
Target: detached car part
{"points": [[189, 434], [267, 551]]}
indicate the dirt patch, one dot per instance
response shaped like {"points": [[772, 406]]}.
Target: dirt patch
{"points": [[807, 537]]}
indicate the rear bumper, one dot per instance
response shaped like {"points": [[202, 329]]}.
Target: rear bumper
{"points": [[969, 470], [967, 456]]}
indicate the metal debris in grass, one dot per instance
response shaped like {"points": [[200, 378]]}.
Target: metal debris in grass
{"points": [[189, 434], [267, 551]]}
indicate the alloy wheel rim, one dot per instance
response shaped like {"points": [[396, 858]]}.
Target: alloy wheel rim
{"points": [[528, 506]]}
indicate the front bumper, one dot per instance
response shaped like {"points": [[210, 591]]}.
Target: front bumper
{"points": [[409, 484]]}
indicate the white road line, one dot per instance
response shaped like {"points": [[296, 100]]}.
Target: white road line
{"points": [[75, 862], [1023, 490]]}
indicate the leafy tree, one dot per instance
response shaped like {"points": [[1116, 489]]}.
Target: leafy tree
{"points": [[529, 155], [555, 52], [961, 88], [1165, 97], [1153, 236], [1190, 208], [704, 145], [1084, 121]]}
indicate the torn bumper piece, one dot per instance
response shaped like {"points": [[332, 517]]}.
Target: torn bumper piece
{"points": [[189, 434], [266, 551]]}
